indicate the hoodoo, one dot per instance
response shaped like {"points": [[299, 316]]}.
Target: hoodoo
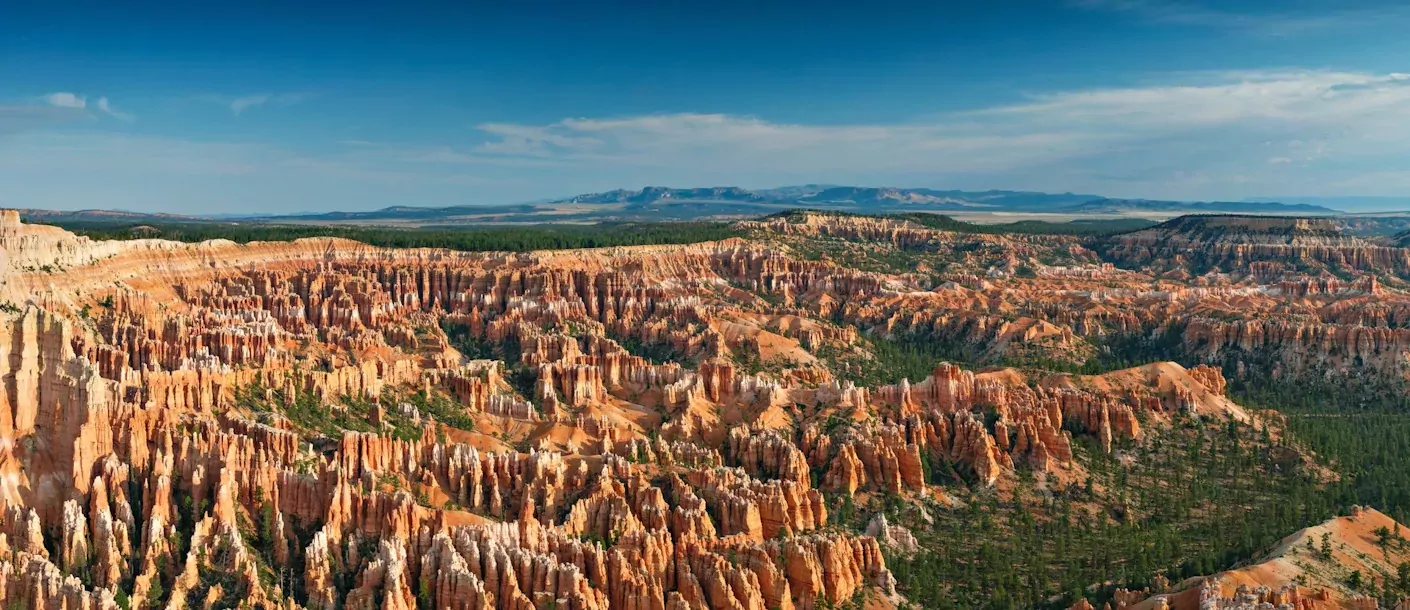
{"points": [[323, 423]]}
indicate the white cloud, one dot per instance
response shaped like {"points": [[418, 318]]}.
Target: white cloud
{"points": [[1190, 136], [683, 140], [51, 109], [1210, 135], [64, 99]]}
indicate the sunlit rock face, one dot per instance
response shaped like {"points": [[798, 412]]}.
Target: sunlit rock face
{"points": [[323, 423]]}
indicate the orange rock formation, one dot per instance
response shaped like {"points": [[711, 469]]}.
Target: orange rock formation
{"points": [[289, 424]]}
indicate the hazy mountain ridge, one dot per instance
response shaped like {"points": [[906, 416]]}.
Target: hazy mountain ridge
{"points": [[843, 196], [659, 203]]}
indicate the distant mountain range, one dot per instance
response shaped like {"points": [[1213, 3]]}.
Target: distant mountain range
{"points": [[824, 196], [1360, 205], [664, 203]]}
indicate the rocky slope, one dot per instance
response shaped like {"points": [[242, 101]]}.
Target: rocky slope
{"points": [[1277, 297], [1267, 244], [1313, 569]]}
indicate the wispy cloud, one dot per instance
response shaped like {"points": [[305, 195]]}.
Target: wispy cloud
{"points": [[64, 99], [106, 107], [1275, 23], [52, 108], [241, 104], [531, 141], [238, 105]]}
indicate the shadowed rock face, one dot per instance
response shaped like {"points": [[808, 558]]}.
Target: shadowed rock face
{"points": [[1267, 245], [302, 424]]}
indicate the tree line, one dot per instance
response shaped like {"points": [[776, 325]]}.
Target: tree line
{"points": [[516, 238]]}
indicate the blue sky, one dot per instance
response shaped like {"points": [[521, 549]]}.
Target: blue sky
{"points": [[284, 107]]}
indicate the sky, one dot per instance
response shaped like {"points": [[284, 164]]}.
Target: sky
{"points": [[283, 107]]}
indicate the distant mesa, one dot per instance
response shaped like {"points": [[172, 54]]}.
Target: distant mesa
{"points": [[1252, 229]]}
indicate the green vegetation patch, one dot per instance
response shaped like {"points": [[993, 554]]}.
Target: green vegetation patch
{"points": [[1202, 497], [941, 222], [353, 413], [519, 238]]}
